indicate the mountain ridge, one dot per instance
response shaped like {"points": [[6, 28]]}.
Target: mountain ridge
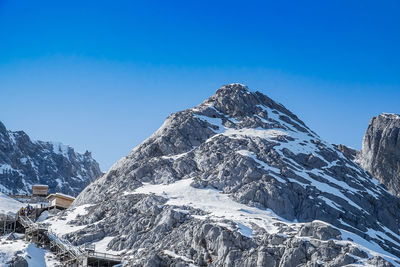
{"points": [[24, 162], [281, 184]]}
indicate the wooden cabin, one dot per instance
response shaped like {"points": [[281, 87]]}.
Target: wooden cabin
{"points": [[40, 190], [60, 201]]}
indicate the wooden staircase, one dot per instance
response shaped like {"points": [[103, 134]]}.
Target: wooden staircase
{"points": [[68, 254]]}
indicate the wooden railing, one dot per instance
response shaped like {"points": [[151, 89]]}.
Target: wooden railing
{"points": [[5, 217], [63, 244]]}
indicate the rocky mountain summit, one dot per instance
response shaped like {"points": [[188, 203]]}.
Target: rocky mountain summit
{"points": [[24, 162], [380, 153], [237, 181]]}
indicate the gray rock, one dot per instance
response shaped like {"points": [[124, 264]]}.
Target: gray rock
{"points": [[320, 231], [380, 153], [24, 162], [12, 236], [18, 261], [260, 154], [349, 152], [379, 262]]}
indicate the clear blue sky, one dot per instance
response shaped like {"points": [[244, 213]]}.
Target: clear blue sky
{"points": [[103, 75]]}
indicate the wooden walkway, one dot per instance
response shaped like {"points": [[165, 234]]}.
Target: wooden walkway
{"points": [[68, 254]]}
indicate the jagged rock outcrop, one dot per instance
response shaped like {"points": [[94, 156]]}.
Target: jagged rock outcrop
{"points": [[24, 162], [238, 181], [18, 261], [349, 152], [380, 153]]}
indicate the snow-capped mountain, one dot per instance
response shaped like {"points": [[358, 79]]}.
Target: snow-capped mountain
{"points": [[237, 181], [24, 162], [380, 153]]}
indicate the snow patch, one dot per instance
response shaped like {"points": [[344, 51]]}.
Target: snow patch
{"points": [[61, 226], [30, 252], [101, 246], [60, 149], [212, 121], [9, 206], [219, 206], [6, 168], [257, 132]]}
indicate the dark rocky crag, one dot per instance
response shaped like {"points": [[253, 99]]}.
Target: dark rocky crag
{"points": [[380, 153], [24, 162], [325, 209]]}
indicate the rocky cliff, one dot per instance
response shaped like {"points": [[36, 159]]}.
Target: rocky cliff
{"points": [[237, 181], [380, 153], [24, 162]]}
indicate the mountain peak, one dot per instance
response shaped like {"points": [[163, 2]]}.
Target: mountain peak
{"points": [[233, 88], [3, 128], [233, 94], [243, 161], [391, 116], [253, 109]]}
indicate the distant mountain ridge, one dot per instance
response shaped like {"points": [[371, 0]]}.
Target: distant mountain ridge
{"points": [[24, 162], [238, 180]]}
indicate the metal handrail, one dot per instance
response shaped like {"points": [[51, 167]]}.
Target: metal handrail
{"points": [[65, 244], [89, 249], [104, 255]]}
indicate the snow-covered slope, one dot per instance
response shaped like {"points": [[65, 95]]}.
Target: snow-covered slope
{"points": [[238, 181], [9, 206], [24, 162], [17, 252]]}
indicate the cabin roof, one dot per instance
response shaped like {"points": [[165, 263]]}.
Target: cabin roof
{"points": [[40, 185], [60, 195]]}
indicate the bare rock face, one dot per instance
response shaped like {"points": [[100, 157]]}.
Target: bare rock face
{"points": [[380, 154], [349, 152], [24, 162], [238, 180], [18, 261]]}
